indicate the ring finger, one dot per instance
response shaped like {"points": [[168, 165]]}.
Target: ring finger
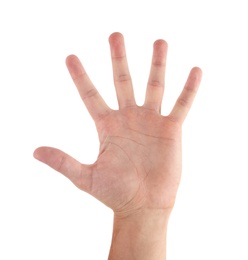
{"points": [[155, 86]]}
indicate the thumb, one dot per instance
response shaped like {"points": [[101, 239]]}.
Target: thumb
{"points": [[79, 174]]}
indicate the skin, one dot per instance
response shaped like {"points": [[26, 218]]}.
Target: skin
{"points": [[138, 169]]}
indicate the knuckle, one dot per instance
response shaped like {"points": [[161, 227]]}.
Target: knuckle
{"points": [[172, 118], [190, 89], [175, 121], [155, 83], [158, 63], [61, 163], [90, 93], [79, 77], [122, 78], [183, 102]]}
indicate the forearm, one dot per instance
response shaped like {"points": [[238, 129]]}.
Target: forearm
{"points": [[140, 237]]}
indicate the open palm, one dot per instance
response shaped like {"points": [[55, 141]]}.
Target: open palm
{"points": [[139, 163]]}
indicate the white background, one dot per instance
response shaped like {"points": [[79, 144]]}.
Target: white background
{"points": [[42, 215]]}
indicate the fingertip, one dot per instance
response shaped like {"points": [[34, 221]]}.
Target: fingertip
{"points": [[42, 152], [49, 155], [194, 79], [37, 153], [160, 48], [160, 43], [116, 36], [197, 71], [117, 45], [71, 59], [74, 66]]}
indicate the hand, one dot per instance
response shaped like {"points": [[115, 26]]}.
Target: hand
{"points": [[139, 163]]}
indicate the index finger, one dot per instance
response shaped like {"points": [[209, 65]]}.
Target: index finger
{"points": [[89, 94], [186, 98]]}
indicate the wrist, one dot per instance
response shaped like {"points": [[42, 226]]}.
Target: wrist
{"points": [[141, 235]]}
